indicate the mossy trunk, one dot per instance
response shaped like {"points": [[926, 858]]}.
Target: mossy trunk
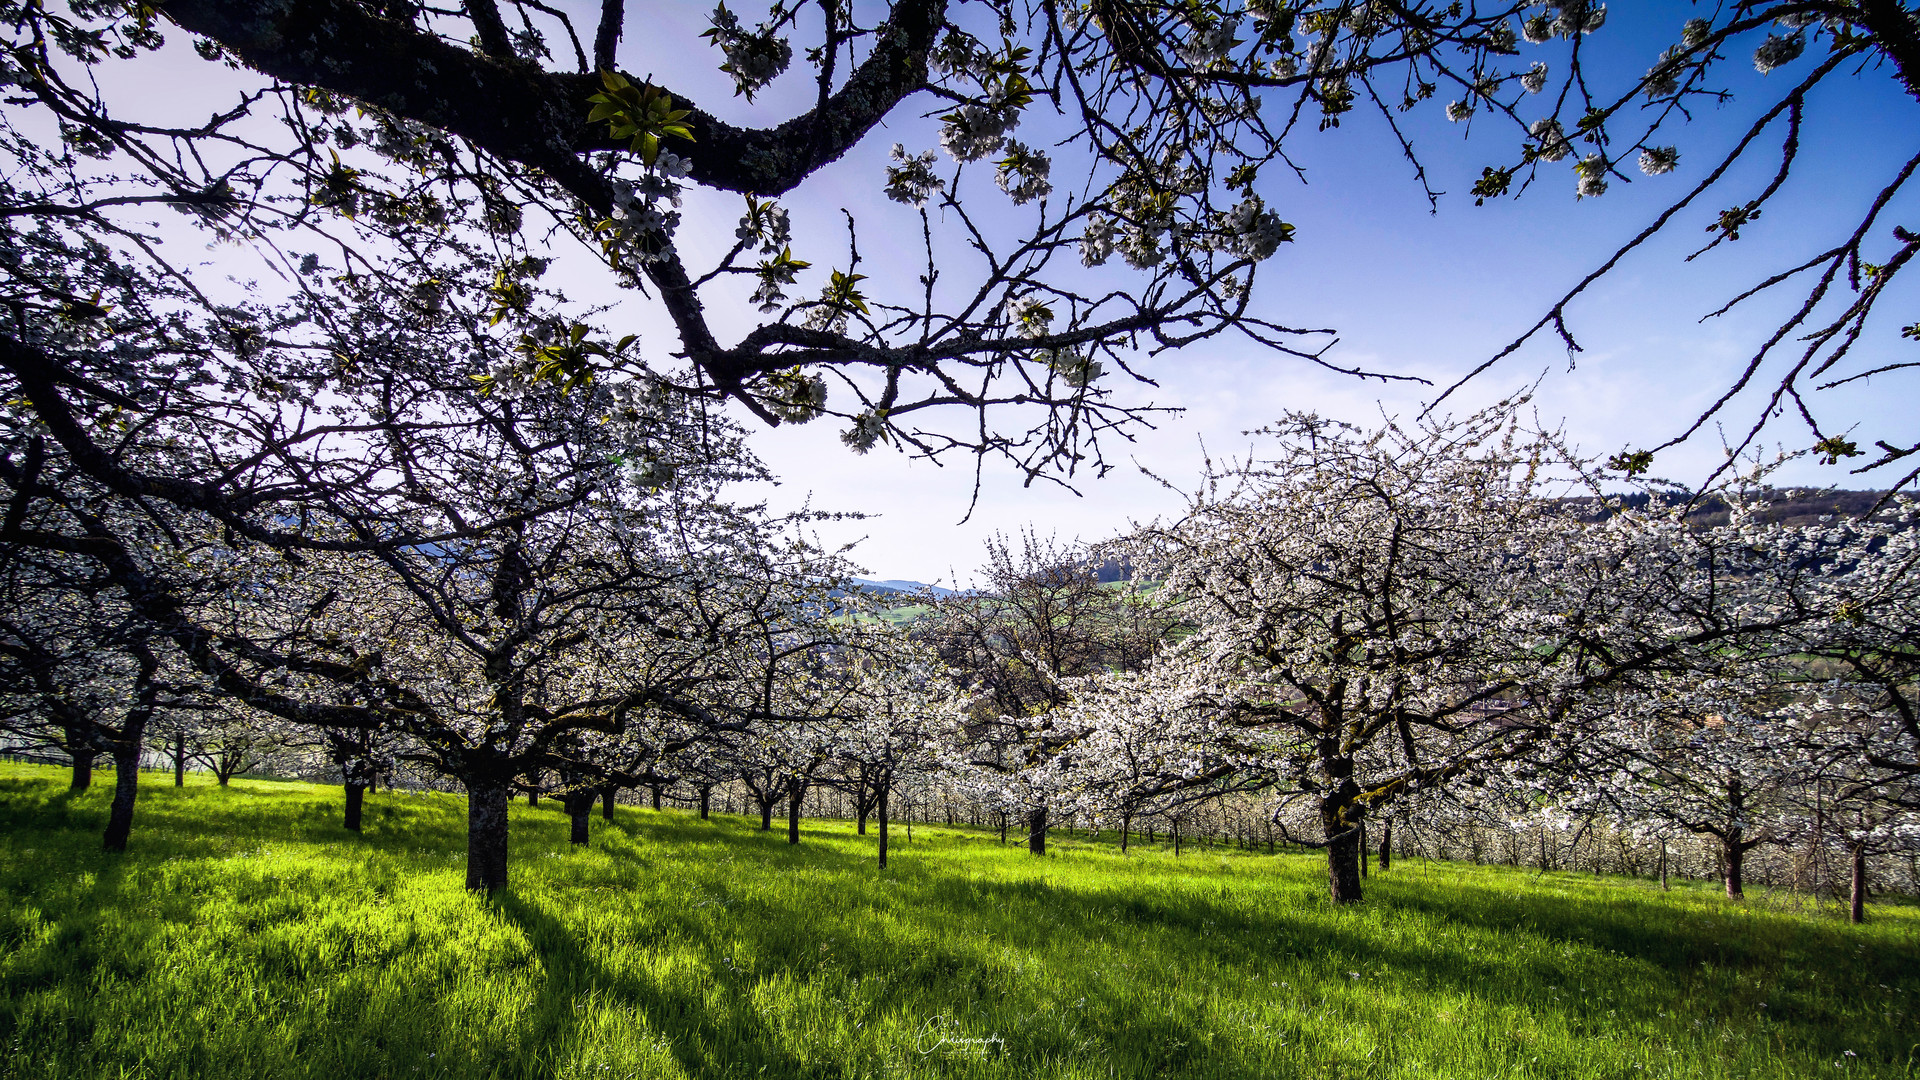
{"points": [[1339, 818], [487, 835]]}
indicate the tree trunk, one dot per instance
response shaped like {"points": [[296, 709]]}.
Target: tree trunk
{"points": [[487, 836], [1126, 825], [1003, 826], [126, 781], [766, 814], [1663, 866], [1176, 837], [1339, 818], [706, 800], [1363, 851], [82, 769], [579, 807], [356, 794], [1037, 831], [1733, 858], [796, 791], [1857, 912], [880, 806], [1386, 846], [656, 796], [179, 759]]}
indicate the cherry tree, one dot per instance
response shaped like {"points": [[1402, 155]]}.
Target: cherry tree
{"points": [[1379, 613], [899, 719], [80, 673], [1041, 616]]}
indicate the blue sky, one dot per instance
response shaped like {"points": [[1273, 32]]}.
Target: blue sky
{"points": [[1410, 291], [1433, 294]]}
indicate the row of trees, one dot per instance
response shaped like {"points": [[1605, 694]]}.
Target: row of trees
{"points": [[308, 415], [1370, 625], [1397, 622]]}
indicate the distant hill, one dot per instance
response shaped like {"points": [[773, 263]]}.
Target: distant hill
{"points": [[1793, 506], [905, 588]]}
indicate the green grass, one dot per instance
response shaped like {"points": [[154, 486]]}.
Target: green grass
{"points": [[247, 935]]}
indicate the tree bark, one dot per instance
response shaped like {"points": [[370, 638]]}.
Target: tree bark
{"points": [[356, 794], [579, 807], [608, 793], [179, 759], [1363, 850], [487, 835], [766, 814], [881, 807], [1733, 857], [1126, 825], [82, 769], [1857, 909], [1037, 831], [1663, 865], [796, 791], [126, 781], [1386, 846], [655, 789], [706, 800], [1339, 818]]}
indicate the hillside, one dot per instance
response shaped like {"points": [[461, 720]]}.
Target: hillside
{"points": [[247, 935]]}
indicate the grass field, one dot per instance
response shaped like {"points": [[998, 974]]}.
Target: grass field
{"points": [[248, 935]]}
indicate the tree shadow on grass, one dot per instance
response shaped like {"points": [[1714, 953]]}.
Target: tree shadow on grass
{"points": [[705, 1042]]}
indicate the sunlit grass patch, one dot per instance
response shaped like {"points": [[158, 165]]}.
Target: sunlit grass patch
{"points": [[248, 934]]}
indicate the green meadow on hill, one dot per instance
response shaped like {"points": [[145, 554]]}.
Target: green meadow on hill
{"points": [[246, 934]]}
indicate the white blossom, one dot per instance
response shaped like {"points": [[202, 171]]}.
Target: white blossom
{"points": [[912, 181]]}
